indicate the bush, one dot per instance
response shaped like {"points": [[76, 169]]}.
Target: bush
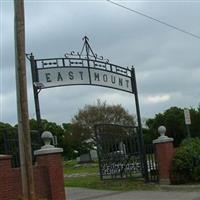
{"points": [[186, 162]]}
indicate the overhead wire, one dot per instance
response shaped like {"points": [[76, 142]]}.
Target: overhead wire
{"points": [[154, 19]]}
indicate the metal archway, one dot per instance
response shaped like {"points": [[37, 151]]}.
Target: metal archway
{"points": [[84, 69]]}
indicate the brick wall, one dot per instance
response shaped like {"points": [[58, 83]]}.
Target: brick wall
{"points": [[48, 176], [8, 177]]}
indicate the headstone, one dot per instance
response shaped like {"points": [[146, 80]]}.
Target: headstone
{"points": [[93, 154], [85, 158], [78, 159], [122, 148]]}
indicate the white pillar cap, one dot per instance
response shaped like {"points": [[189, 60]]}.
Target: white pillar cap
{"points": [[163, 138], [47, 148]]}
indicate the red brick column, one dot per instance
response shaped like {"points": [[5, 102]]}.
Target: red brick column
{"points": [[164, 154], [51, 159]]}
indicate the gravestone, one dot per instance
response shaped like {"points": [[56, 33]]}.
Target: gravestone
{"points": [[93, 154], [85, 158]]}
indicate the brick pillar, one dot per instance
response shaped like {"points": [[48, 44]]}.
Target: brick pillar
{"points": [[164, 154], [5, 177], [50, 158]]}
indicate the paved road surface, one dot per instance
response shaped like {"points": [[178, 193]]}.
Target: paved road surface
{"points": [[88, 194]]}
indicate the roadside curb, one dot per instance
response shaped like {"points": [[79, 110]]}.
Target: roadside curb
{"points": [[180, 187]]}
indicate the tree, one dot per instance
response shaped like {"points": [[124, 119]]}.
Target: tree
{"points": [[102, 113], [195, 119], [173, 120], [75, 141], [4, 127]]}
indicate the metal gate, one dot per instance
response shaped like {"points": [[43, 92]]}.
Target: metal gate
{"points": [[118, 151], [11, 144], [120, 155]]}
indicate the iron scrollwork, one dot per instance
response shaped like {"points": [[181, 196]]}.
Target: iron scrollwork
{"points": [[101, 69]]}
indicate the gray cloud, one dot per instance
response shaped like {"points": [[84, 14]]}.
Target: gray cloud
{"points": [[166, 61]]}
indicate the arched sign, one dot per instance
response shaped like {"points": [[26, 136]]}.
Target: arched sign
{"points": [[82, 69], [79, 69]]}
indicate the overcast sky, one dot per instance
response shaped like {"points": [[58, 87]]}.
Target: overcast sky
{"points": [[166, 61]]}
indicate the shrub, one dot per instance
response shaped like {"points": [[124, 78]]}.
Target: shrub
{"points": [[186, 162]]}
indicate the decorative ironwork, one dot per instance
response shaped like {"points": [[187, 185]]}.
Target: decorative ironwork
{"points": [[119, 153], [87, 49], [85, 58], [82, 62]]}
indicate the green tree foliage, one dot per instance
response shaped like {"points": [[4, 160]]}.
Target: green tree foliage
{"points": [[55, 129], [33, 124], [195, 118], [173, 120], [4, 127], [186, 162], [76, 141]]}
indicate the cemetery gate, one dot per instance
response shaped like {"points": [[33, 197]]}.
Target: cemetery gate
{"points": [[87, 68], [120, 155]]}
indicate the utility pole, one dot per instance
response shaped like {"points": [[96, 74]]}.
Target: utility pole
{"points": [[22, 104]]}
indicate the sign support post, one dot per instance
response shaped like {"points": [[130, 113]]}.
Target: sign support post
{"points": [[188, 131], [35, 92]]}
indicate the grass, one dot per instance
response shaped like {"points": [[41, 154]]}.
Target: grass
{"points": [[94, 182], [71, 167]]}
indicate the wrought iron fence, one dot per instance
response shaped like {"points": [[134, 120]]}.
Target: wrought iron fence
{"points": [[11, 144], [152, 164]]}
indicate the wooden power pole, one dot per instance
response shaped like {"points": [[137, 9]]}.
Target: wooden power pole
{"points": [[22, 104]]}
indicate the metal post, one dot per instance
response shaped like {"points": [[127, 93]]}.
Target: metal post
{"points": [[98, 151], [141, 140], [22, 104], [35, 92], [188, 131], [87, 49]]}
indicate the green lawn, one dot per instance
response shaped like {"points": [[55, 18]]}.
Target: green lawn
{"points": [[93, 181], [71, 167]]}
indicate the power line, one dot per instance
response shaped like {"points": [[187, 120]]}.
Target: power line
{"points": [[154, 19]]}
